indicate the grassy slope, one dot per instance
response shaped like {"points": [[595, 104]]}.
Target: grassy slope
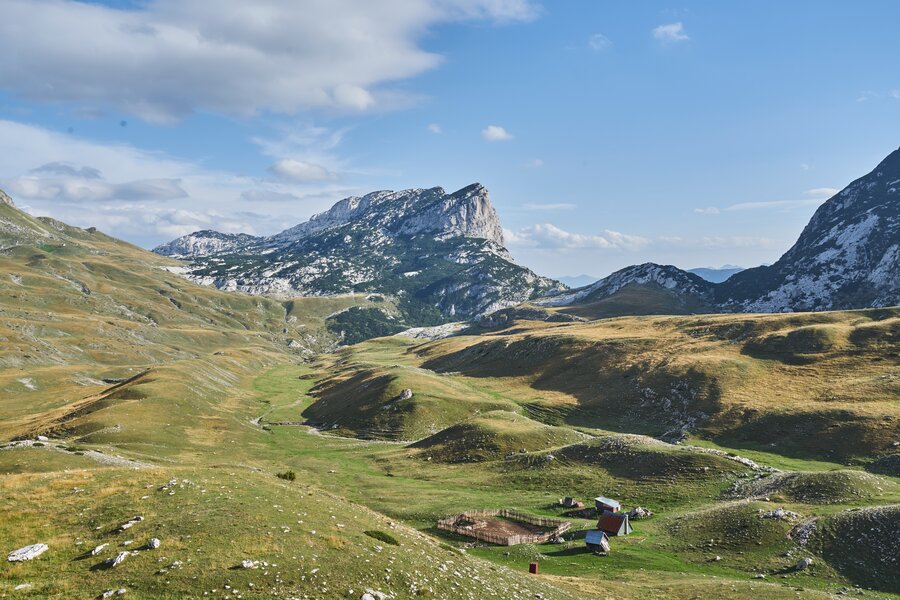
{"points": [[208, 371], [182, 366]]}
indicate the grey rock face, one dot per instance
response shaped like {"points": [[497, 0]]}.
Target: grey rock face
{"points": [[441, 254], [27, 553]]}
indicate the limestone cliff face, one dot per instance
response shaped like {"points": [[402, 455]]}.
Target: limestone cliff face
{"points": [[440, 253], [4, 199]]}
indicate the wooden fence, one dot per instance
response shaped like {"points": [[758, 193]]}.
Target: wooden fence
{"points": [[557, 527]]}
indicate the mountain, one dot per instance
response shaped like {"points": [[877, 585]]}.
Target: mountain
{"points": [[716, 275], [440, 254], [848, 256]]}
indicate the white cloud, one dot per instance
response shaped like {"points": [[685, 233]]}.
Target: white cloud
{"points": [[805, 167], [163, 59], [495, 133], [298, 170], [822, 192], [709, 210], [144, 196], [435, 128], [534, 163], [598, 42], [559, 206], [550, 237], [895, 94], [672, 32]]}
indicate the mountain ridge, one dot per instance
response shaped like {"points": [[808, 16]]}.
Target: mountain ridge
{"points": [[440, 253], [848, 256]]}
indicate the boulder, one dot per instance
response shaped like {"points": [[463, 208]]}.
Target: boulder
{"points": [[639, 512], [804, 563], [27, 553], [116, 560], [406, 394], [153, 544]]}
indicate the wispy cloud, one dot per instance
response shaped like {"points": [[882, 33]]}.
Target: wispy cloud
{"points": [[709, 210], [495, 133], [671, 32], [822, 192], [598, 42], [435, 128], [783, 205], [534, 163], [298, 170]]}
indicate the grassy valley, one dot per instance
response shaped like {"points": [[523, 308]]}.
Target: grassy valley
{"points": [[223, 420]]}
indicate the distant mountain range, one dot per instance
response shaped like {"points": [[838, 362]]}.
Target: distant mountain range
{"points": [[848, 256], [441, 255]]}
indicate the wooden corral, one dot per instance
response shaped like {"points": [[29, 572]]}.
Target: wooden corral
{"points": [[488, 526]]}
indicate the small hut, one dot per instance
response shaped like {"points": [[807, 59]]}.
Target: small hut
{"points": [[602, 504], [597, 541], [614, 523]]}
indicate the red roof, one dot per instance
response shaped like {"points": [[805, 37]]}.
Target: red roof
{"points": [[612, 522]]}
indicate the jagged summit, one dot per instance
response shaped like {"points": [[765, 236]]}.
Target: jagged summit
{"points": [[441, 253], [5, 199]]}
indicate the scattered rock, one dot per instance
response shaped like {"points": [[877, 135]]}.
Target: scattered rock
{"points": [[406, 394], [98, 549], [249, 564], [27, 553], [43, 438], [130, 523], [804, 563], [111, 593], [153, 544], [116, 560], [22, 586]]}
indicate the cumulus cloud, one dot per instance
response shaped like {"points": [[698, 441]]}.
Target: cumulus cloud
{"points": [[298, 170], [163, 59], [598, 42], [495, 133], [550, 237], [671, 32], [144, 196]]}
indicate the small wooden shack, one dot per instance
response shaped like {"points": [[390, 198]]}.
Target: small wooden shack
{"points": [[614, 523], [602, 503], [597, 541]]}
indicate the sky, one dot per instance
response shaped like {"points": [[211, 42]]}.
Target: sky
{"points": [[695, 134]]}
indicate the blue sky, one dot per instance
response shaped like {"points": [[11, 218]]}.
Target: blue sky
{"points": [[696, 134]]}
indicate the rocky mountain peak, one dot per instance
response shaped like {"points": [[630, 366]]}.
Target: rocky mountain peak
{"points": [[5, 199], [465, 213]]}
